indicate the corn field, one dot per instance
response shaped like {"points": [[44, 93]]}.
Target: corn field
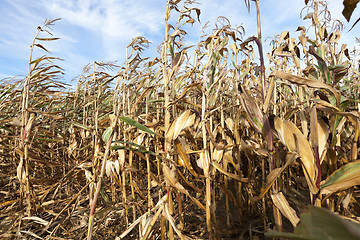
{"points": [[199, 142]]}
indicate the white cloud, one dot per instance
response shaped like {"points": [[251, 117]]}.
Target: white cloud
{"points": [[108, 26], [114, 22], [100, 30]]}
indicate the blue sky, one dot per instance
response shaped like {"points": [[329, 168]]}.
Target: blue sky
{"points": [[93, 30]]}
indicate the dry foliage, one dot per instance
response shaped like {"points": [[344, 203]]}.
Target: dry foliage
{"points": [[206, 145]]}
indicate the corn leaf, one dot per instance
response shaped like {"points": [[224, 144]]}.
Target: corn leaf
{"points": [[345, 177], [318, 223], [107, 133], [136, 124]]}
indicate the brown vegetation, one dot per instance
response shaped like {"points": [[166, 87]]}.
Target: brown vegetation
{"points": [[183, 146]]}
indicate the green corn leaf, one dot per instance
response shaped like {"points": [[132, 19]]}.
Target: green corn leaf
{"points": [[318, 223], [130, 143], [137, 125], [345, 177], [107, 133]]}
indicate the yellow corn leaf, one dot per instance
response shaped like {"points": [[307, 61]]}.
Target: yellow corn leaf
{"points": [[269, 93], [273, 175], [230, 175], [170, 176], [345, 177], [204, 161], [218, 154], [184, 121], [150, 222], [171, 220], [20, 170], [230, 124], [295, 141], [307, 82], [328, 107], [282, 204], [185, 159], [323, 135], [253, 112]]}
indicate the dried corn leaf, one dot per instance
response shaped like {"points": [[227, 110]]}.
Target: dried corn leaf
{"points": [[282, 204], [150, 222], [15, 122], [280, 51], [253, 112], [307, 82], [31, 234], [204, 161], [323, 135], [314, 127], [269, 93], [187, 182], [168, 216], [328, 107], [284, 36], [234, 48], [20, 170], [110, 168], [345, 177], [230, 175], [88, 175], [229, 158], [170, 176], [117, 166], [295, 141], [184, 121], [144, 94], [273, 175], [349, 6], [140, 139], [230, 124], [185, 159], [37, 220], [80, 126], [217, 155], [159, 207]]}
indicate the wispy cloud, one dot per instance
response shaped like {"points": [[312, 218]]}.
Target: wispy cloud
{"points": [[100, 30], [115, 22], [89, 30]]}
